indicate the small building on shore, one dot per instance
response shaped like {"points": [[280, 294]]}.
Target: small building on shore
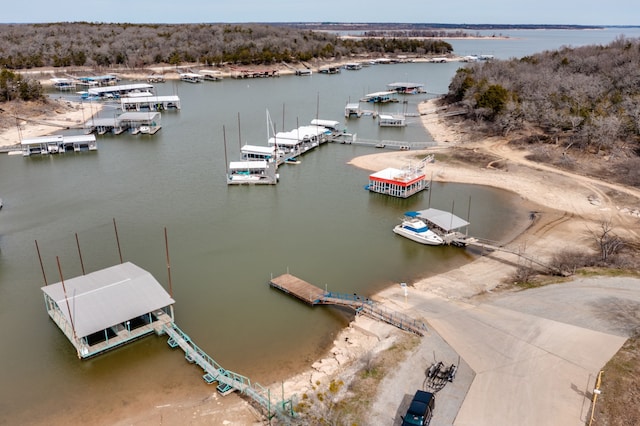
{"points": [[108, 308]]}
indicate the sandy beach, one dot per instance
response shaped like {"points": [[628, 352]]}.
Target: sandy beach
{"points": [[566, 204], [33, 121]]}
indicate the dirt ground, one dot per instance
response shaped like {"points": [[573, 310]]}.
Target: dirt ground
{"points": [[567, 205]]}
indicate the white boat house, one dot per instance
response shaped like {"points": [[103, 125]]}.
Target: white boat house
{"points": [[392, 120], [398, 183], [258, 172], [300, 140], [150, 103], [258, 152], [58, 144], [108, 308]]}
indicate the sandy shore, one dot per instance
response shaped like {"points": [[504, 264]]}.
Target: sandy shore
{"points": [[58, 114], [567, 205]]}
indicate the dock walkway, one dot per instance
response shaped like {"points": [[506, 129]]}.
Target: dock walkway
{"points": [[312, 295], [228, 381]]}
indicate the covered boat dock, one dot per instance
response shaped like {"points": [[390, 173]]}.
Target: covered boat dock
{"points": [[150, 103], [108, 308], [258, 172], [445, 224], [58, 144], [119, 91], [406, 88], [146, 122]]}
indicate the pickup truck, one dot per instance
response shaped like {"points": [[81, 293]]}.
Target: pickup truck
{"points": [[420, 410]]}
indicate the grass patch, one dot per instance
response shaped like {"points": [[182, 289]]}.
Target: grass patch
{"points": [[619, 403]]}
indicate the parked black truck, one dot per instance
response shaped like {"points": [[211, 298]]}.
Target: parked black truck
{"points": [[420, 410]]}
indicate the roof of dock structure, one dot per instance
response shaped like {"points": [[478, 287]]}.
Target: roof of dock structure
{"points": [[404, 85], [397, 176], [329, 124], [442, 219], [258, 149], [58, 139], [136, 99], [248, 165], [298, 135], [138, 115], [104, 298], [121, 88]]}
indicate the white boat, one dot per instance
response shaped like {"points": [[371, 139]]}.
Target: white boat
{"points": [[145, 130], [418, 231]]}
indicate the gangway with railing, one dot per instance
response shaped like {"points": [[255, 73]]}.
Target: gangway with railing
{"points": [[227, 380], [314, 295]]}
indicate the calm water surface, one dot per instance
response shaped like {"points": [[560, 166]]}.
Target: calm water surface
{"points": [[225, 242]]}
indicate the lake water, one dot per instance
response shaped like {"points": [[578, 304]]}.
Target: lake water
{"points": [[225, 242]]}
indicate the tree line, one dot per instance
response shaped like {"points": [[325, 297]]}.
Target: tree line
{"points": [[585, 98], [139, 45]]}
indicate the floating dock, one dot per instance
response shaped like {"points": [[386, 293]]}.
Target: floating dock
{"points": [[312, 295], [58, 144], [108, 308]]}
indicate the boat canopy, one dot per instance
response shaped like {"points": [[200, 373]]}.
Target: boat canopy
{"points": [[445, 220], [104, 298], [329, 124]]}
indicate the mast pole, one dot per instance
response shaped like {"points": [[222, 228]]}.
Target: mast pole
{"points": [[224, 139], [80, 254], [166, 244], [41, 265], [115, 228], [66, 299], [239, 135]]}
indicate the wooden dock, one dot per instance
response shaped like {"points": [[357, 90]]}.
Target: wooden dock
{"points": [[298, 288], [312, 295]]}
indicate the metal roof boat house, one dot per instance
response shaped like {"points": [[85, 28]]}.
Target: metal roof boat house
{"points": [[113, 92], [58, 144], [444, 224], [381, 97], [150, 103], [145, 122], [398, 183], [406, 88], [256, 172], [108, 308]]}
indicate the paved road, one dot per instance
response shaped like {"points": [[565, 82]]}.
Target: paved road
{"points": [[527, 358]]}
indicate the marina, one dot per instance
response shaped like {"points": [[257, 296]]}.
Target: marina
{"points": [[169, 184]]}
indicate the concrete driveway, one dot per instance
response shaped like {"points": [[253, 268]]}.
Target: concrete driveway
{"points": [[532, 356]]}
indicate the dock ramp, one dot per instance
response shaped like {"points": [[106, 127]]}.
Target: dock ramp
{"points": [[313, 295], [227, 381]]}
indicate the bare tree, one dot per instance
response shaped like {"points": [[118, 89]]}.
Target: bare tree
{"points": [[607, 242]]}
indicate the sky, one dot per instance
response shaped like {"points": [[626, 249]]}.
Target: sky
{"points": [[575, 12]]}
